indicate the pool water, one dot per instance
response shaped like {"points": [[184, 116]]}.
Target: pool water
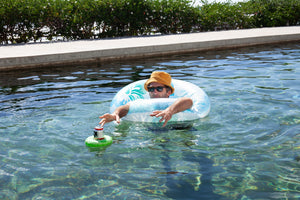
{"points": [[247, 148]]}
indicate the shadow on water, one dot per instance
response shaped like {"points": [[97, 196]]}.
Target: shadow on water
{"points": [[181, 189], [180, 185]]}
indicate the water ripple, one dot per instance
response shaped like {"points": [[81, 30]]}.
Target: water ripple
{"points": [[247, 148]]}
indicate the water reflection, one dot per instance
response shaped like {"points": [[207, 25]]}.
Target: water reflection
{"points": [[190, 185]]}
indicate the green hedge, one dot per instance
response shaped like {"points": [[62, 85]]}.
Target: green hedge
{"points": [[33, 20], [250, 14], [224, 16], [269, 13]]}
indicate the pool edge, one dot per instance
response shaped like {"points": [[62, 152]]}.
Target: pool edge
{"points": [[105, 50]]}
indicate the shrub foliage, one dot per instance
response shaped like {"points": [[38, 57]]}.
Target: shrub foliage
{"points": [[35, 20]]}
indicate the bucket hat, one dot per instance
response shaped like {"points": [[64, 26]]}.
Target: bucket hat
{"points": [[160, 77]]}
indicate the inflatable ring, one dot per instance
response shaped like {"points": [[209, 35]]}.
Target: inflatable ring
{"points": [[141, 105]]}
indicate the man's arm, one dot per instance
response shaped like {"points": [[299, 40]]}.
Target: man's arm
{"points": [[115, 116], [179, 105]]}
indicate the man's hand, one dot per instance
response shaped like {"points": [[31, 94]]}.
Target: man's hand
{"points": [[165, 115], [115, 116], [109, 118], [179, 105]]}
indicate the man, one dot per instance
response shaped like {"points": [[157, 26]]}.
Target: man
{"points": [[158, 86]]}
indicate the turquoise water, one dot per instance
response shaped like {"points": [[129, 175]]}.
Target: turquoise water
{"points": [[247, 148]]}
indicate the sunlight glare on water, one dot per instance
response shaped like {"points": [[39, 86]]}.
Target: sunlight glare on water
{"points": [[247, 148]]}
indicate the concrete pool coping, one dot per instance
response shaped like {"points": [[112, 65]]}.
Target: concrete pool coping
{"points": [[92, 51]]}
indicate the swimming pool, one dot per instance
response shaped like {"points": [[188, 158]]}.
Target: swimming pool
{"points": [[247, 148]]}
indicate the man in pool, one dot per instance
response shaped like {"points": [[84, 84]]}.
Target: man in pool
{"points": [[158, 86]]}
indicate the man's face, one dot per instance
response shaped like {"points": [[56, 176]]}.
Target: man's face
{"points": [[156, 94]]}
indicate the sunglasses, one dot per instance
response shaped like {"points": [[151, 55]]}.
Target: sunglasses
{"points": [[158, 89]]}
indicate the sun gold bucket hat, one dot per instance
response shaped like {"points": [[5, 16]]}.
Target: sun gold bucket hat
{"points": [[160, 77]]}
